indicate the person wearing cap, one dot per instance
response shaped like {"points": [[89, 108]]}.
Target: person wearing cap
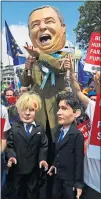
{"points": [[92, 95]]}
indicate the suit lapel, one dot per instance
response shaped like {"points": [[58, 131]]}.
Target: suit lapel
{"points": [[57, 135], [21, 131], [65, 139], [35, 130]]}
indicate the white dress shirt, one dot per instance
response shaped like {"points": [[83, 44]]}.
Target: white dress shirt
{"points": [[30, 130], [65, 130]]}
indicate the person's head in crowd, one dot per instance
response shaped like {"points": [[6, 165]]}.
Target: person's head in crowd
{"points": [[68, 109], [83, 117], [27, 105], [9, 92], [9, 97], [92, 86], [92, 95], [47, 30]]}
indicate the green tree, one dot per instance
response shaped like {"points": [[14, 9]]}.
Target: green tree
{"points": [[89, 21]]}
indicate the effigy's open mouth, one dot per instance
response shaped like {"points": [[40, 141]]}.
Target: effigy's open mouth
{"points": [[45, 39]]}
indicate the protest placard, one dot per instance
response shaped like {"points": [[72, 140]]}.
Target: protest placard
{"points": [[85, 127], [93, 58], [95, 138], [2, 123]]}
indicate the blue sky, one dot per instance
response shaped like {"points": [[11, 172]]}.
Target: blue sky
{"points": [[18, 12]]}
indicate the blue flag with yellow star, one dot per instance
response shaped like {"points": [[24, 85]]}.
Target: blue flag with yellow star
{"points": [[13, 49], [83, 76]]}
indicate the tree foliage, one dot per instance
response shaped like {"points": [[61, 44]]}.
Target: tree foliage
{"points": [[89, 21]]}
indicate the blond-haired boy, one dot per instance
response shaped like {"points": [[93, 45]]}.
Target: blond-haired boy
{"points": [[26, 150]]}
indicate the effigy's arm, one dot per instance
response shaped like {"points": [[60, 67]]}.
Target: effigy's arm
{"points": [[25, 79], [51, 62]]}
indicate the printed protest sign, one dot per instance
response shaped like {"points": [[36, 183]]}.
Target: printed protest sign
{"points": [[95, 139], [2, 123], [85, 127], [93, 58]]}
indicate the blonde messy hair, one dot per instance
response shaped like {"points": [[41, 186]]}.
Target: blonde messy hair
{"points": [[28, 100]]}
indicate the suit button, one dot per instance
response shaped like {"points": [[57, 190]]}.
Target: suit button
{"points": [[58, 169], [58, 162], [57, 155]]}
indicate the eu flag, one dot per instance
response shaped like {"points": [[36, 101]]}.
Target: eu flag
{"points": [[13, 49], [83, 76]]}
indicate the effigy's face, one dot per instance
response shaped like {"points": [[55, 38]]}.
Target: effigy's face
{"points": [[46, 31]]}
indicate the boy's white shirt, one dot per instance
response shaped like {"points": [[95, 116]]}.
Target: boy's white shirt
{"points": [[30, 130]]}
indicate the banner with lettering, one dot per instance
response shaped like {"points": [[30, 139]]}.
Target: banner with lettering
{"points": [[85, 127], [94, 150], [2, 123], [93, 58]]}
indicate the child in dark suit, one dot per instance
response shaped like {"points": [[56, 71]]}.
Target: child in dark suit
{"points": [[26, 150], [69, 151]]}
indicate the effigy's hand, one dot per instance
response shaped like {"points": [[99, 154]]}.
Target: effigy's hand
{"points": [[43, 164], [11, 161], [79, 192], [67, 62], [34, 52], [52, 171], [29, 63]]}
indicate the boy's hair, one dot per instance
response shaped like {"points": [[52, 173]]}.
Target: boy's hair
{"points": [[70, 99], [28, 100]]}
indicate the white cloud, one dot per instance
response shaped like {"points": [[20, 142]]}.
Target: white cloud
{"points": [[20, 34]]}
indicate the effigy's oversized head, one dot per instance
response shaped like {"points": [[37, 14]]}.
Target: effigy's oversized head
{"points": [[47, 30]]}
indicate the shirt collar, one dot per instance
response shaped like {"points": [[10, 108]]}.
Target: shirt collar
{"points": [[34, 123], [65, 129]]}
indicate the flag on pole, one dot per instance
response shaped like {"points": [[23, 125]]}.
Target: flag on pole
{"points": [[83, 76], [13, 49], [13, 84]]}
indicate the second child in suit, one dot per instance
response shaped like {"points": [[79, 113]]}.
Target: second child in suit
{"points": [[26, 150], [69, 151]]}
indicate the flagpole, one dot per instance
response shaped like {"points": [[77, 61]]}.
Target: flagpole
{"points": [[8, 60]]}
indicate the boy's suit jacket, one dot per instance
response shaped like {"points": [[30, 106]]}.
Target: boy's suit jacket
{"points": [[28, 151], [69, 157]]}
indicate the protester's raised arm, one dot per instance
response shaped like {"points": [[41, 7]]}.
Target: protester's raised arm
{"points": [[84, 99], [68, 64], [97, 82]]}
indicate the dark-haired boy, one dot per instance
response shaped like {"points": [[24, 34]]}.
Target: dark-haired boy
{"points": [[69, 148]]}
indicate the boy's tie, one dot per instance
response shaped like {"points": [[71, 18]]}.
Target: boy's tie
{"points": [[27, 129], [61, 135]]}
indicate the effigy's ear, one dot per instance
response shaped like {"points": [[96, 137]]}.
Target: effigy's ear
{"points": [[77, 113]]}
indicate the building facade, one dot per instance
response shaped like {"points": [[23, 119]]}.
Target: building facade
{"points": [[7, 74]]}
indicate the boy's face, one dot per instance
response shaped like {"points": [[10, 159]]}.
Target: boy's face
{"points": [[27, 116], [65, 114]]}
